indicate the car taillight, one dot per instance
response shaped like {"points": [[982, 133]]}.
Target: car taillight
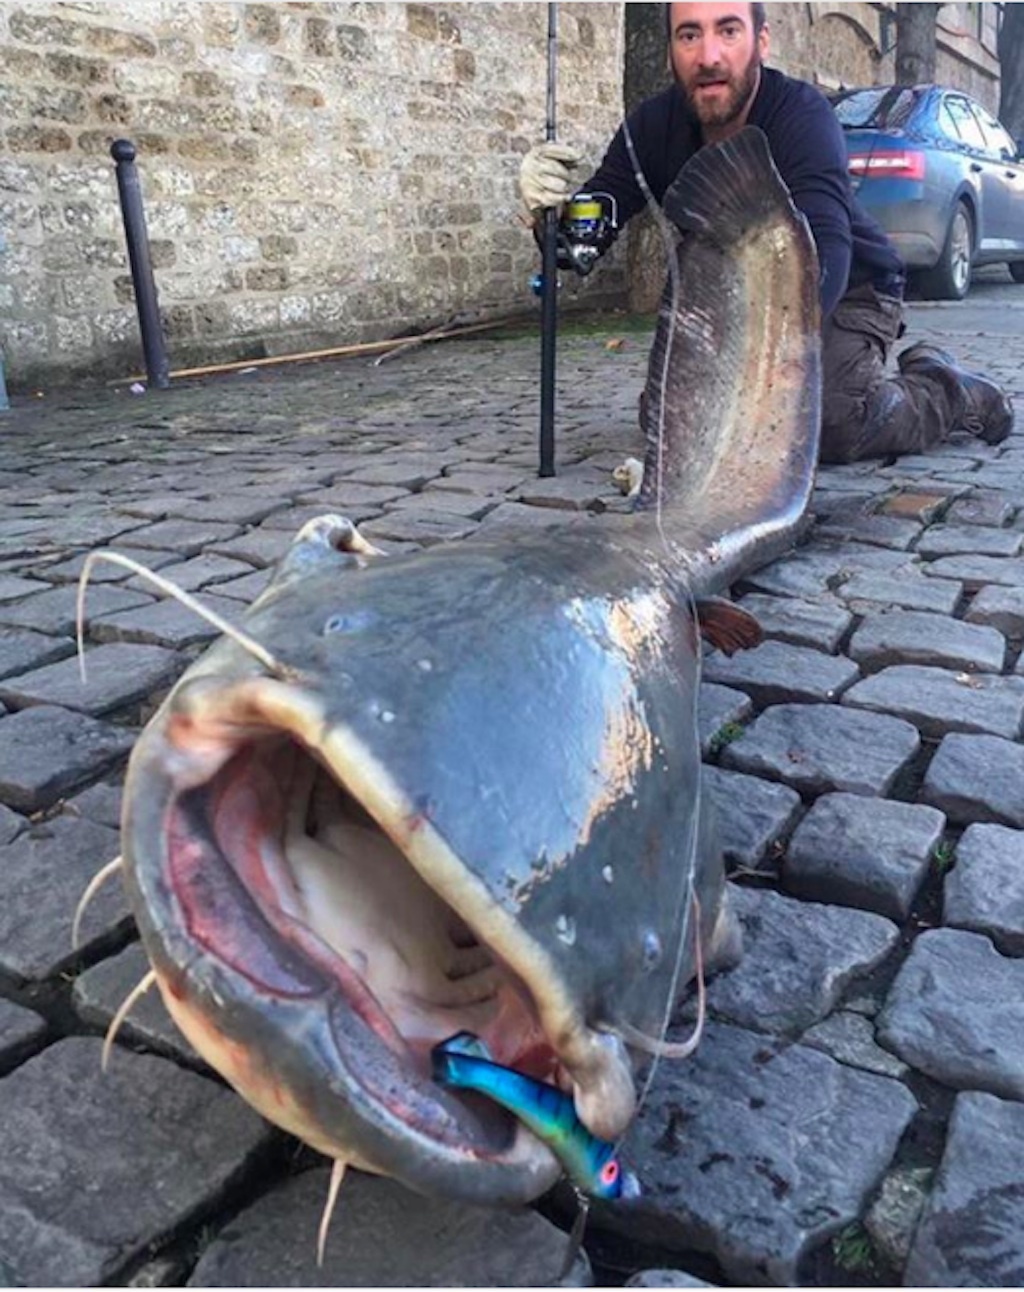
{"points": [[908, 164]]}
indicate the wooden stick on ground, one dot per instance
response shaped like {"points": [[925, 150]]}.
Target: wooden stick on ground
{"points": [[335, 352]]}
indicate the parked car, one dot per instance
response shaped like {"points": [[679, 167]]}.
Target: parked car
{"points": [[942, 177]]}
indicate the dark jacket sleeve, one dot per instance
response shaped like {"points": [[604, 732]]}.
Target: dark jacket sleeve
{"points": [[616, 174], [808, 147]]}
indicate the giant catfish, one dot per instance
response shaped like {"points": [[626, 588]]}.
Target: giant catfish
{"points": [[458, 790]]}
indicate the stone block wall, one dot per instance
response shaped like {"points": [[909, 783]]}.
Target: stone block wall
{"points": [[314, 173]]}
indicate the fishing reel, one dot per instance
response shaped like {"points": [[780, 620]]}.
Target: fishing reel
{"points": [[588, 227]]}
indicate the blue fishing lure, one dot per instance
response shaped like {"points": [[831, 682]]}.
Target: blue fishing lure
{"points": [[464, 1063]]}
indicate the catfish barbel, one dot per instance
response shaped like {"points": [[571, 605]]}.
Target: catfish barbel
{"points": [[458, 790]]}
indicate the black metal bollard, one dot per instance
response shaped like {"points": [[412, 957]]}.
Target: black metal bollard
{"points": [[129, 190]]}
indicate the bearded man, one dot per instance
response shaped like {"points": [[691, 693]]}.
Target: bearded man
{"points": [[717, 54]]}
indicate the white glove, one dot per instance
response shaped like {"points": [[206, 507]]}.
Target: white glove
{"points": [[544, 176]]}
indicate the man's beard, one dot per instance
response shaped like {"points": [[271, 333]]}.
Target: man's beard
{"points": [[726, 110]]}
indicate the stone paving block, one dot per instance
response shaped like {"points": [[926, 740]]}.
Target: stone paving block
{"points": [[891, 1219], [13, 588], [972, 1230], [963, 540], [883, 531], [100, 803], [470, 506], [938, 700], [850, 1038], [718, 708], [916, 637], [22, 650], [977, 778], [55, 611], [728, 1165], [404, 475], [798, 959], [912, 591], [45, 871], [169, 623], [490, 481], [21, 1032], [925, 502], [817, 572], [385, 1237], [566, 492], [187, 537], [975, 572], [984, 892], [197, 572], [99, 992], [516, 517], [777, 672], [956, 1012], [426, 528], [260, 547], [982, 507], [70, 571], [153, 1142], [46, 752], [155, 507], [1000, 608], [346, 495], [292, 519], [820, 747], [244, 590], [821, 624], [861, 852], [860, 557], [233, 508], [751, 815], [943, 458], [11, 824], [117, 675]]}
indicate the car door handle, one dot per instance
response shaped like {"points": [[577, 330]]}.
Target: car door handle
{"points": [[1010, 174], [975, 168]]}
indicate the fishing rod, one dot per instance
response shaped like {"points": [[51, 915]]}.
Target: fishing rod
{"points": [[549, 278]]}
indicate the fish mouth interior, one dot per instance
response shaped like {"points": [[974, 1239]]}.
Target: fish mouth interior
{"points": [[280, 873]]}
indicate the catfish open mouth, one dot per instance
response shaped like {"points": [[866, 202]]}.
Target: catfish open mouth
{"points": [[285, 861]]}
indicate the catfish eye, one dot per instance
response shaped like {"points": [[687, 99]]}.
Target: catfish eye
{"points": [[347, 623], [610, 1172]]}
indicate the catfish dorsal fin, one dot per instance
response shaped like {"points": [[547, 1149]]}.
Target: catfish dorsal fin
{"points": [[727, 626]]}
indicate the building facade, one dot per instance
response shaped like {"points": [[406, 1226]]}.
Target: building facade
{"points": [[319, 173]]}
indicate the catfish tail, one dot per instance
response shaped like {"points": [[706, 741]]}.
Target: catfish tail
{"points": [[733, 393]]}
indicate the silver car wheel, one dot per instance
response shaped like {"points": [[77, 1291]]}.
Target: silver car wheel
{"points": [[960, 250]]}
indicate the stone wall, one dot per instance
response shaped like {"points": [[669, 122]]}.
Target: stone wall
{"points": [[319, 173], [313, 173]]}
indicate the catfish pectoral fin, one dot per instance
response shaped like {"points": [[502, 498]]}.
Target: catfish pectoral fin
{"points": [[726, 626]]}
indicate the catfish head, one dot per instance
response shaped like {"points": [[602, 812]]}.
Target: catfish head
{"points": [[461, 796]]}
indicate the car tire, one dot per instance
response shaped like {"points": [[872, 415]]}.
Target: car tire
{"points": [[1017, 270], [950, 277]]}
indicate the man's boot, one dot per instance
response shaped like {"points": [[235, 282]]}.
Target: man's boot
{"points": [[986, 410]]}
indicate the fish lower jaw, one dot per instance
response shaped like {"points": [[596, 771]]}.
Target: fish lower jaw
{"points": [[524, 1170]]}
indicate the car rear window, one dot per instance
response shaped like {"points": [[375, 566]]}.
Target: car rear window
{"points": [[882, 107]]}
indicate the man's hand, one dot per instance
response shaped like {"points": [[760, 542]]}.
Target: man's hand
{"points": [[544, 176]]}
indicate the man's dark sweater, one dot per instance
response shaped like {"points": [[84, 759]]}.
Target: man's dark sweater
{"points": [[806, 142]]}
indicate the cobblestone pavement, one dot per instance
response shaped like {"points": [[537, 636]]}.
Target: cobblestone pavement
{"points": [[856, 1108]]}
